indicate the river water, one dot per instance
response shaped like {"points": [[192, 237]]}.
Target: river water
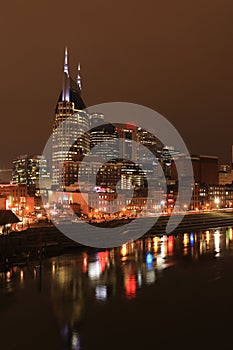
{"points": [[152, 293]]}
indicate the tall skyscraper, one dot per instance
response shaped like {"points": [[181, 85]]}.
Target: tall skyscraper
{"points": [[27, 169], [127, 134], [205, 169], [104, 136], [73, 137], [150, 142]]}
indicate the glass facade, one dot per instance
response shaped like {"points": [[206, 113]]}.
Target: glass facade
{"points": [[27, 169], [70, 137]]}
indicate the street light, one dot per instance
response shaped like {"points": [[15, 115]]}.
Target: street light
{"points": [[162, 205]]}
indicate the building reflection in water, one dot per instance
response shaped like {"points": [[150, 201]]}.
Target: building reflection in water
{"points": [[130, 285], [150, 269], [90, 277], [186, 243], [21, 276], [101, 292], [207, 239], [94, 270], [192, 239], [71, 338], [217, 242], [170, 245]]}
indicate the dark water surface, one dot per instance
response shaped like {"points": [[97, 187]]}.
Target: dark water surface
{"points": [[154, 293]]}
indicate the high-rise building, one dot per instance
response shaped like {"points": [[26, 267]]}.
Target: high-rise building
{"points": [[103, 137], [127, 146], [72, 137], [96, 119], [76, 172], [205, 169], [151, 143], [27, 170]]}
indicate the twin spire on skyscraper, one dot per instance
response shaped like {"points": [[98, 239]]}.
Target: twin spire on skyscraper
{"points": [[66, 78], [66, 65], [79, 77]]}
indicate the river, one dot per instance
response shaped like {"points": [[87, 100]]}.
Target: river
{"points": [[152, 293]]}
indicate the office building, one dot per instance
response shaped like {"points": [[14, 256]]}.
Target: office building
{"points": [[28, 169], [205, 169], [103, 137], [72, 137]]}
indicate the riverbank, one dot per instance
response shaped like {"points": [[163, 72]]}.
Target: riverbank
{"points": [[190, 222], [33, 244], [195, 222], [36, 242]]}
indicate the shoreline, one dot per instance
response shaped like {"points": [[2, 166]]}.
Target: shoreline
{"points": [[40, 242]]}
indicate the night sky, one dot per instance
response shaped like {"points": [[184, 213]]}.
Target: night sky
{"points": [[173, 56]]}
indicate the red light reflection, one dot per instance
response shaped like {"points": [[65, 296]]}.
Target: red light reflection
{"points": [[170, 245], [103, 259], [130, 286]]}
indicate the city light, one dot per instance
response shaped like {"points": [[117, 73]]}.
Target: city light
{"points": [[149, 258], [217, 201], [192, 240], [217, 241], [101, 292], [94, 270], [130, 286], [124, 250], [186, 239]]}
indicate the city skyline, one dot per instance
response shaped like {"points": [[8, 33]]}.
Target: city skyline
{"points": [[71, 91], [184, 74], [116, 174]]}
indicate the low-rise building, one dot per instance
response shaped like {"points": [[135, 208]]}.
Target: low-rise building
{"points": [[16, 198]]}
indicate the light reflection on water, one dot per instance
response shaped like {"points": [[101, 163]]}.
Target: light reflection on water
{"points": [[90, 277]]}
